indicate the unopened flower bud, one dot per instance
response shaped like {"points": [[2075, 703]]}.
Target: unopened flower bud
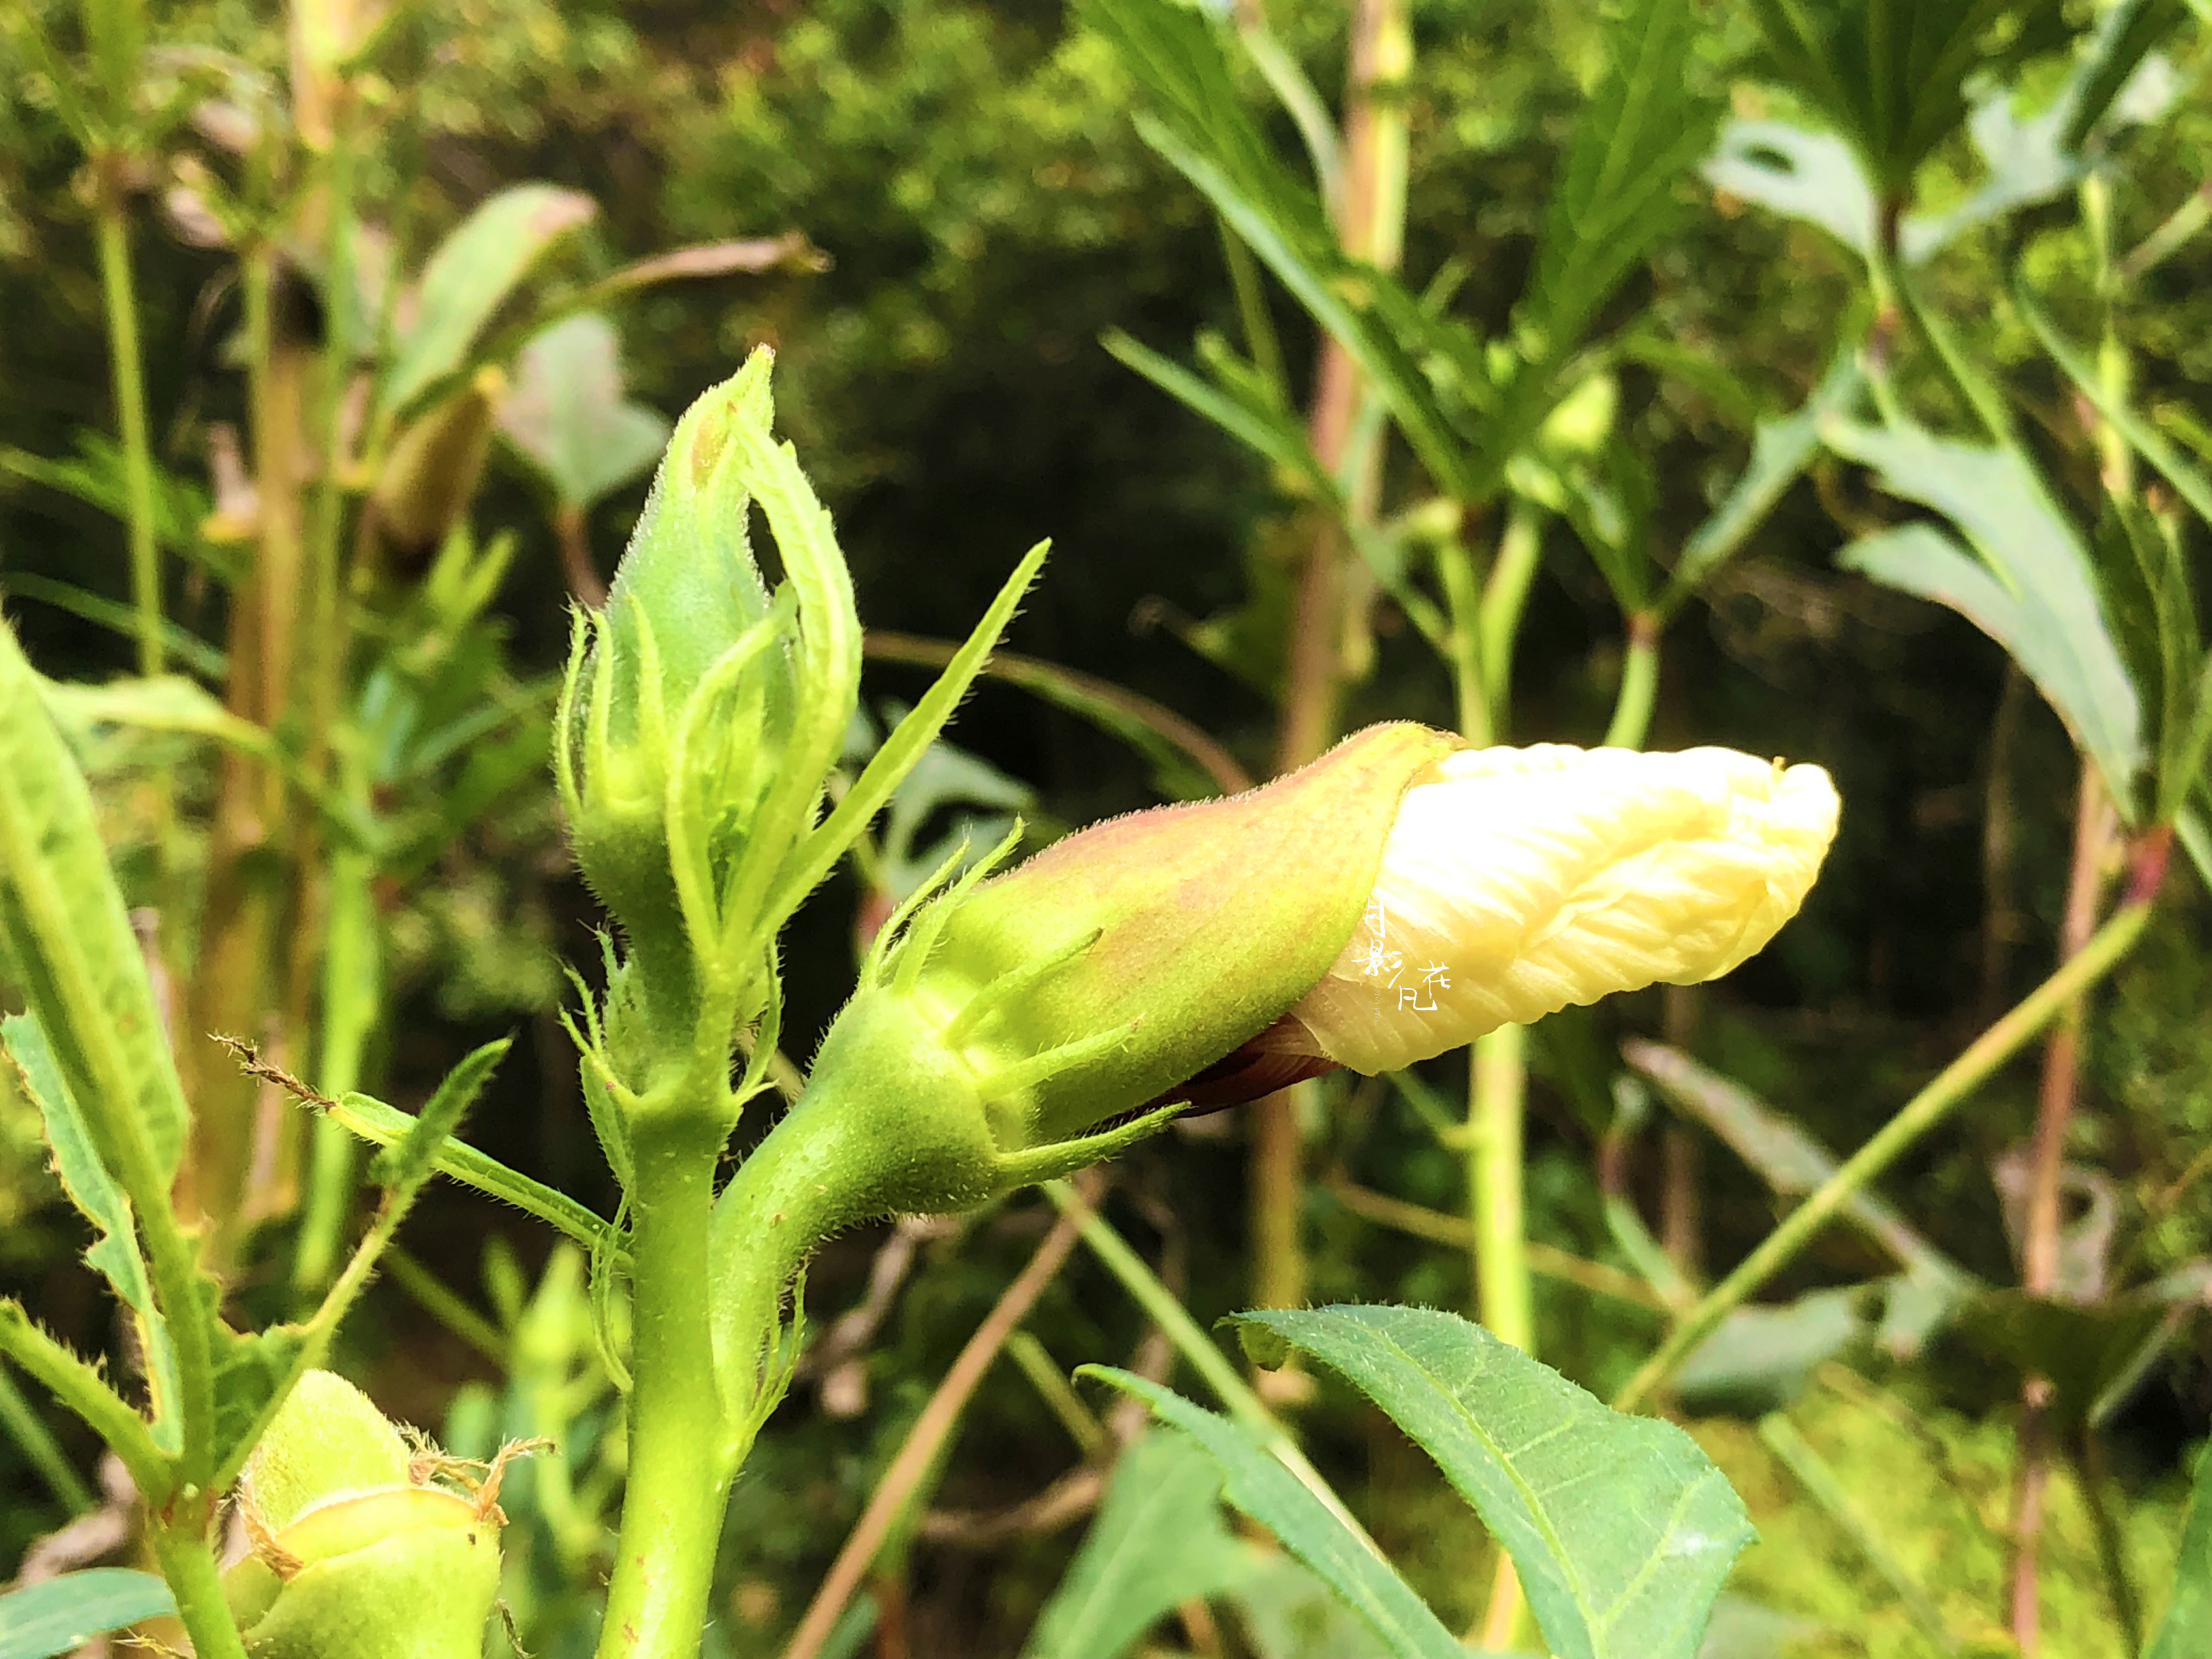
{"points": [[687, 595], [427, 481], [1015, 1029], [1519, 881], [357, 1552], [1399, 897]]}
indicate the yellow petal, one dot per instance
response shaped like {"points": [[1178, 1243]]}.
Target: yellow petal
{"points": [[1518, 881]]}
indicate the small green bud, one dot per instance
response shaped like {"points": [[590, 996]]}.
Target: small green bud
{"points": [[431, 475], [1023, 1029], [688, 594], [357, 1552]]}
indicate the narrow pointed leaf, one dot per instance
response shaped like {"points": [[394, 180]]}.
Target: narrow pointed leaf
{"points": [[63, 919], [1620, 1527], [2143, 438], [1259, 1485], [93, 1190], [1644, 126], [381, 1125], [1801, 174], [1159, 1540], [1780, 447], [403, 1166], [1270, 433], [905, 746]]}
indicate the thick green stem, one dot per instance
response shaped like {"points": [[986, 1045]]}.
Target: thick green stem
{"points": [[1496, 1099], [1470, 662], [680, 1466], [790, 1195], [129, 373], [1640, 685], [1951, 1087], [181, 1550], [1505, 597], [352, 981]]}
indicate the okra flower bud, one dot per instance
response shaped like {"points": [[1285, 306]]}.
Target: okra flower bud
{"points": [[358, 1552], [1519, 881], [1398, 897], [687, 596]]}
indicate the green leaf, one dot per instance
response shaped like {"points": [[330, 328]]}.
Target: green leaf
{"points": [[2082, 1349], [2125, 36], [253, 1372], [1329, 285], [2184, 765], [97, 476], [94, 1192], [567, 415], [1762, 1357], [61, 1614], [1801, 174], [2025, 160], [903, 748], [63, 921], [1621, 1529], [1158, 1541], [1891, 74], [466, 279], [1259, 1485], [381, 1125], [1780, 447], [170, 702], [1644, 126], [2181, 1633], [1270, 432], [81, 1387], [2032, 589], [1176, 54]]}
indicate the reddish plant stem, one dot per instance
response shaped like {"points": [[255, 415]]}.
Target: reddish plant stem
{"points": [[2093, 826]]}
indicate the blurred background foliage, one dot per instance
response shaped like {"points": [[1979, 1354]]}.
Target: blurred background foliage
{"points": [[983, 210]]}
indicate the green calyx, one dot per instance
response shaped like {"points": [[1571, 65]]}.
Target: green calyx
{"points": [[328, 1442], [1041, 1020], [359, 1551]]}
